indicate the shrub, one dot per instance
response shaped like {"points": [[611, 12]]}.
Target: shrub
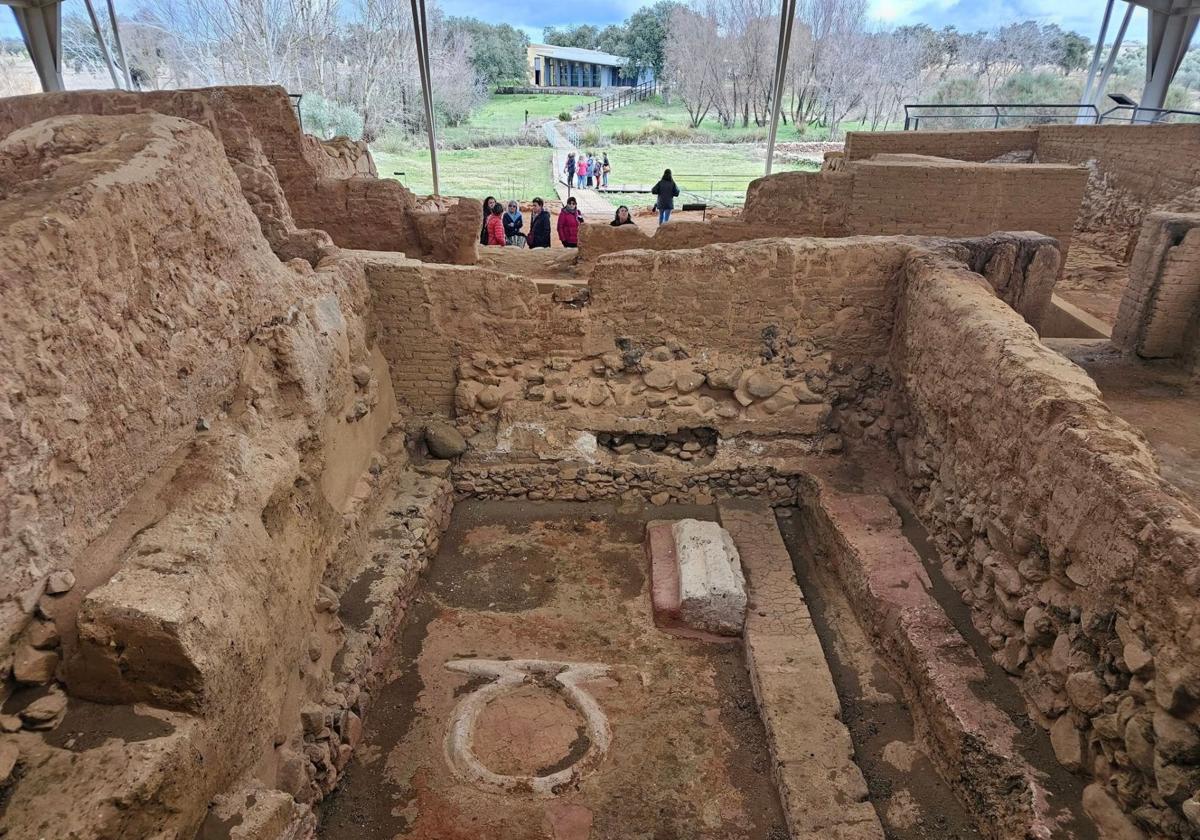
{"points": [[564, 116], [326, 118]]}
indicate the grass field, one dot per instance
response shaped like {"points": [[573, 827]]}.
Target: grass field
{"points": [[652, 114], [501, 171], [718, 173], [503, 115]]}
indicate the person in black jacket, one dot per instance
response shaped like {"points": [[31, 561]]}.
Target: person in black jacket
{"points": [[539, 226], [513, 222], [487, 211], [667, 192]]}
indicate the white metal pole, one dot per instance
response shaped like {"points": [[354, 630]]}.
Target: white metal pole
{"points": [[112, 17], [419, 27], [1095, 65], [103, 42], [1112, 57], [787, 13]]}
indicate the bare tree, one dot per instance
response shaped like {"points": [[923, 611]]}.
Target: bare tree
{"points": [[691, 64]]}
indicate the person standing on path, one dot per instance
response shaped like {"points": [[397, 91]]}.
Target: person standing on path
{"points": [[570, 168], [539, 226], [580, 172], [604, 170], [569, 221], [667, 191]]}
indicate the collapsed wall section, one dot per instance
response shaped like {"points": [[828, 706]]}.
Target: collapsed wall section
{"points": [[1077, 558], [1159, 316]]}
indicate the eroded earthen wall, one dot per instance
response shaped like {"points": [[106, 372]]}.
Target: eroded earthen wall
{"points": [[289, 178], [188, 432], [1077, 558]]}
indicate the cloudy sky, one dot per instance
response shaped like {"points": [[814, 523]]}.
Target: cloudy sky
{"points": [[1083, 16]]}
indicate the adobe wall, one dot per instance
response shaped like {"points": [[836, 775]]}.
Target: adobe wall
{"points": [[1159, 316], [190, 432], [1134, 169], [977, 146], [340, 157], [1077, 558], [290, 180]]}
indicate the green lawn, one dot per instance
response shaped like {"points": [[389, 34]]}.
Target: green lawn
{"points": [[652, 113], [503, 115], [501, 171], [718, 172]]}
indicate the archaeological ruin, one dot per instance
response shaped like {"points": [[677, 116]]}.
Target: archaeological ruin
{"points": [[870, 512]]}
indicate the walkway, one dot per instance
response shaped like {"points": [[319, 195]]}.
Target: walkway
{"points": [[594, 207]]}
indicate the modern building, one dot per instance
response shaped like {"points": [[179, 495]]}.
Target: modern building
{"points": [[573, 67]]}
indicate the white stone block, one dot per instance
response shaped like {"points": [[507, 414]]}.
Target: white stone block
{"points": [[712, 588]]}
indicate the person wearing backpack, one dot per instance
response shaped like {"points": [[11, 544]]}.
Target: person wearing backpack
{"points": [[667, 191]]}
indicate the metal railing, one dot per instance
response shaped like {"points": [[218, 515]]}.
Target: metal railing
{"points": [[1147, 116], [625, 97], [1000, 115], [296, 97], [995, 115]]}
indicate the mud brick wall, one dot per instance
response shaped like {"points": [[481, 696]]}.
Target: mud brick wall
{"points": [[1161, 308], [341, 157], [1078, 560], [1154, 163], [659, 341], [978, 146]]}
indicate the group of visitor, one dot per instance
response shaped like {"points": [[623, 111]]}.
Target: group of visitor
{"points": [[590, 171], [505, 226]]}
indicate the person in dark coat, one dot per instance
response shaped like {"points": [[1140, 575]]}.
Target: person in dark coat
{"points": [[539, 226], [667, 191], [621, 217], [488, 203]]}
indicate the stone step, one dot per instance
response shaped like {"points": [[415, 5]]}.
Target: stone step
{"points": [[822, 789]]}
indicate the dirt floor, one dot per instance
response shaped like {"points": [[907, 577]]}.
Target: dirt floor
{"points": [[561, 582], [1093, 280], [1156, 396]]}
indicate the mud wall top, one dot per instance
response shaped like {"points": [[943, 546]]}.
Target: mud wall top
{"points": [[978, 146], [291, 180], [1051, 516]]}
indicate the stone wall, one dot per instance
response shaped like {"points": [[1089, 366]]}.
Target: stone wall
{"points": [[290, 179], [190, 432], [340, 157], [658, 342], [1078, 560]]}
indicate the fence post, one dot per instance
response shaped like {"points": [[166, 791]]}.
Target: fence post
{"points": [[997, 110]]}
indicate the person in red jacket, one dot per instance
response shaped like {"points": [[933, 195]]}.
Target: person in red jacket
{"points": [[569, 221], [495, 226]]}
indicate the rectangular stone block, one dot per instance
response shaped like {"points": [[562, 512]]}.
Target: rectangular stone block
{"points": [[712, 589]]}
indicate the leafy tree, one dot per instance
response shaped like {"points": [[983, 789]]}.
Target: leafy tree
{"points": [[648, 30], [497, 52], [613, 39], [584, 36], [326, 118], [1071, 50]]}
